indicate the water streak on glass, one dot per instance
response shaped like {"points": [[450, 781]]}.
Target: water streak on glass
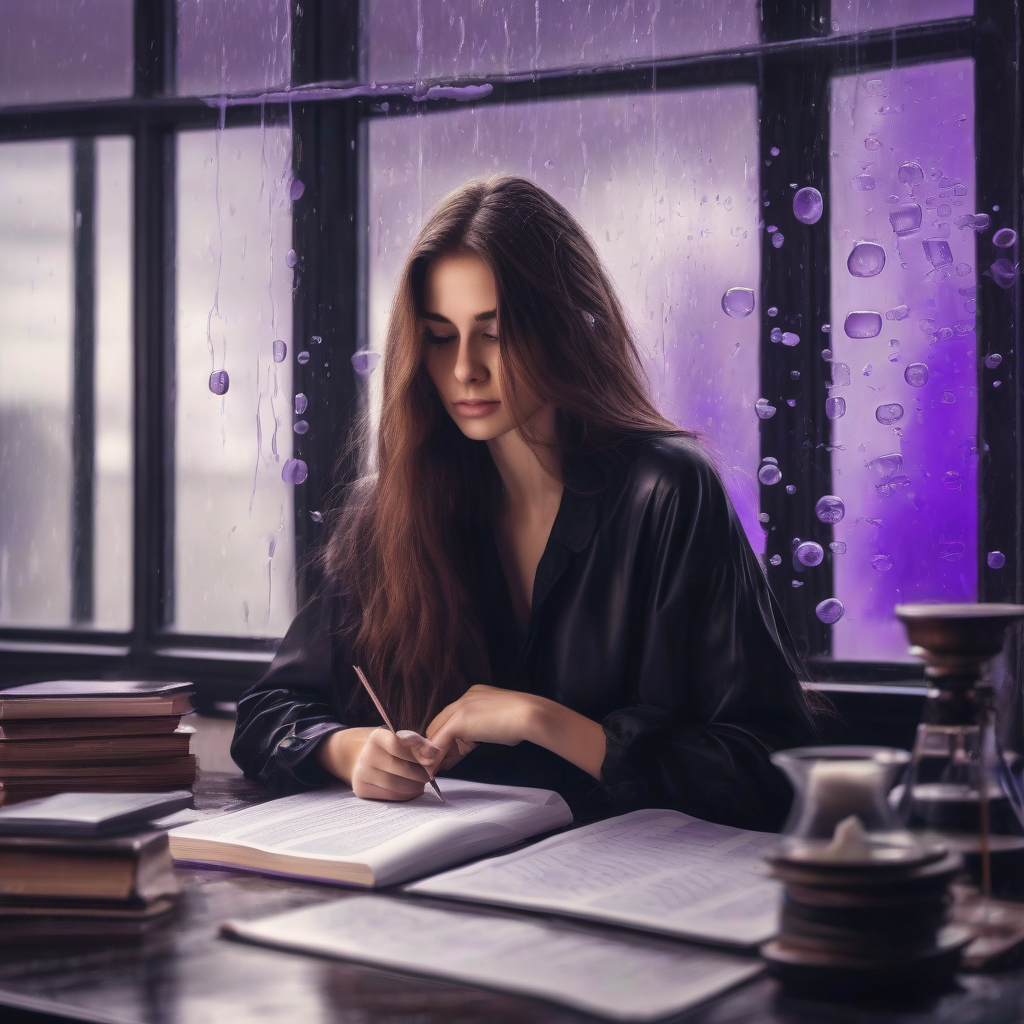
{"points": [[913, 420], [666, 187], [54, 50], [233, 303], [227, 47], [412, 40]]}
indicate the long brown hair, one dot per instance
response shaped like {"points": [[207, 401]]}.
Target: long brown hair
{"points": [[401, 552]]}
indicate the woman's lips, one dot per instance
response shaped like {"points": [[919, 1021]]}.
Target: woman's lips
{"points": [[474, 409]]}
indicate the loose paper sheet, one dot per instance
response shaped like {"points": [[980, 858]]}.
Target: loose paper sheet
{"points": [[657, 870], [622, 977]]}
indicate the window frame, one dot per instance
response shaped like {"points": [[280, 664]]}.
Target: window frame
{"points": [[791, 68]]}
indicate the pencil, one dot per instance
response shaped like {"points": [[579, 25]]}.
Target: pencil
{"points": [[387, 722]]}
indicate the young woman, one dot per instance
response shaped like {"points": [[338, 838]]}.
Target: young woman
{"points": [[545, 579]]}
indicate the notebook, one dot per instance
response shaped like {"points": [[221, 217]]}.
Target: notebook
{"points": [[330, 835], [615, 975], [655, 870], [86, 698]]}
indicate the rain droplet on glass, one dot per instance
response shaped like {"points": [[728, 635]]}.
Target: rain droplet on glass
{"points": [[963, 269], [763, 517], [300, 426], [937, 252], [809, 553], [772, 228], [791, 402], [830, 610], [1003, 273], [280, 351], [889, 413], [1004, 238], [863, 324], [796, 583], [872, 143], [738, 302], [301, 404], [862, 183], [911, 173], [302, 358], [840, 375], [906, 219], [791, 488], [769, 474], [764, 410], [219, 382], [838, 547], [296, 189], [948, 398], [549, 164], [826, 328], [866, 259], [294, 471], [835, 408], [866, 372], [778, 239], [951, 480], [776, 335], [291, 258], [317, 517], [881, 563], [898, 312], [776, 559], [794, 374], [773, 310], [981, 222], [916, 375], [808, 205], [364, 362], [995, 559], [993, 360], [789, 339], [830, 509], [774, 151]]}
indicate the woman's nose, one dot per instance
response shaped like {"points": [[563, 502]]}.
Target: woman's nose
{"points": [[469, 369]]}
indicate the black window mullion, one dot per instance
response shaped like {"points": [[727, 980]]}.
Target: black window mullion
{"points": [[153, 298], [793, 145], [1000, 157], [83, 413], [325, 158]]}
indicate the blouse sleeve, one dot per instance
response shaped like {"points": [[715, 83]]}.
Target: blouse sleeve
{"points": [[284, 718], [716, 685]]}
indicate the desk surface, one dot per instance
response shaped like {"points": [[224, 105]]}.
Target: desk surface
{"points": [[185, 974]]}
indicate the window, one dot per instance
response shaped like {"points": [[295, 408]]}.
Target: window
{"points": [[811, 213]]}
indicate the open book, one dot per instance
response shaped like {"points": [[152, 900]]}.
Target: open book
{"points": [[330, 835], [656, 870]]}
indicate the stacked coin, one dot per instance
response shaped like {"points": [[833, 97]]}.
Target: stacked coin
{"points": [[859, 914]]}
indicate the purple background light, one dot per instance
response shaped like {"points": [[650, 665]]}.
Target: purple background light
{"points": [[911, 531]]}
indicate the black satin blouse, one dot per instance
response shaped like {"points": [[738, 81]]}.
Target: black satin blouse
{"points": [[650, 615]]}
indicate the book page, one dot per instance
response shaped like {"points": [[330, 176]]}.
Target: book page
{"points": [[386, 836], [614, 975], [658, 870]]}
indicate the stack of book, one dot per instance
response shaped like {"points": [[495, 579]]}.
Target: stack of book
{"points": [[86, 865], [74, 735]]}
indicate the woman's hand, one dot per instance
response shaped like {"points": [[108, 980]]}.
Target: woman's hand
{"points": [[483, 714], [377, 763], [487, 714]]}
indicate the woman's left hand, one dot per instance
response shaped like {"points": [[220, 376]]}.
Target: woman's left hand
{"points": [[485, 714]]}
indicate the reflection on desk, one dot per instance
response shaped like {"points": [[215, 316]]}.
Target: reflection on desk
{"points": [[187, 975]]}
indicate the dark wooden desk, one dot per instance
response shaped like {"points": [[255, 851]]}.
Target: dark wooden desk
{"points": [[185, 974]]}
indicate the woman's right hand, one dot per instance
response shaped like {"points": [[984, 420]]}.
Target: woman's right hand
{"points": [[377, 764]]}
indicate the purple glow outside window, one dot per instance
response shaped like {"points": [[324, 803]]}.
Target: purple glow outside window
{"points": [[890, 469]]}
